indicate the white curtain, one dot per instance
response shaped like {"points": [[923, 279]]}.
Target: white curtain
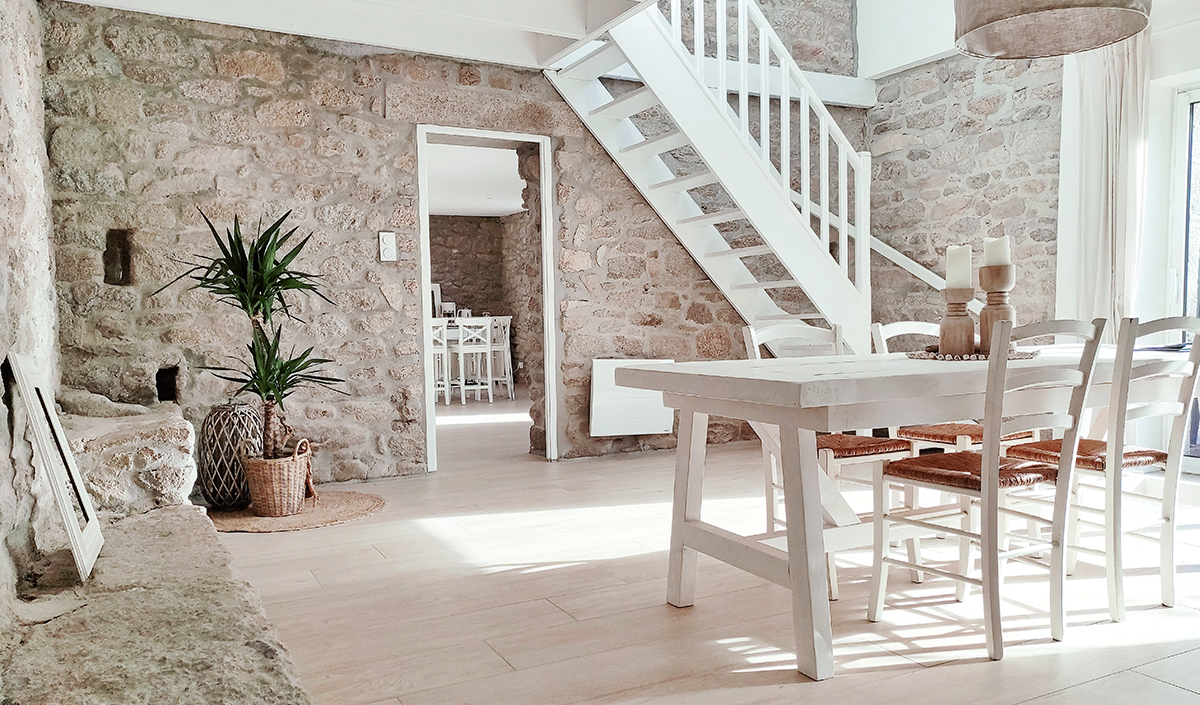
{"points": [[1111, 142]]}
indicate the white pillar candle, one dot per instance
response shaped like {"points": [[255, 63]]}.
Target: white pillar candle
{"points": [[996, 251], [958, 267]]}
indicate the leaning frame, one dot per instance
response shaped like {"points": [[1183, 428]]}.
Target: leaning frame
{"points": [[51, 447], [551, 341]]}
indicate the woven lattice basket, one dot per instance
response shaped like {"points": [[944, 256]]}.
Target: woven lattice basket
{"points": [[225, 428], [278, 485]]}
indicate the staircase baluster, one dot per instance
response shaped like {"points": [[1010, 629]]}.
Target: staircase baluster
{"points": [[676, 22], [823, 135], [843, 197], [764, 95], [722, 17], [743, 70], [785, 130], [862, 225], [805, 158], [698, 36]]}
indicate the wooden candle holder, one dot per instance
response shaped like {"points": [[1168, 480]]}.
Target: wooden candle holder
{"points": [[957, 330], [996, 281]]}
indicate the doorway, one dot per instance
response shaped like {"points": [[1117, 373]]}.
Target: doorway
{"points": [[433, 143]]}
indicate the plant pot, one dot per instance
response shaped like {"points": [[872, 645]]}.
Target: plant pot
{"points": [[277, 485], [222, 433]]}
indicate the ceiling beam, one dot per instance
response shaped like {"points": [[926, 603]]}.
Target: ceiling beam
{"points": [[390, 25]]}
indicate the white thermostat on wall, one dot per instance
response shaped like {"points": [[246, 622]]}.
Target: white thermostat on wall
{"points": [[387, 246]]}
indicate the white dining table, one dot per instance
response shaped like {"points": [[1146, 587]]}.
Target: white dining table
{"points": [[803, 396]]}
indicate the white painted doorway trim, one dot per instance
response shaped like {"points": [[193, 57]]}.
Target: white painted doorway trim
{"points": [[550, 343]]}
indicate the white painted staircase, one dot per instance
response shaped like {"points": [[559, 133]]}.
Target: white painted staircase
{"points": [[790, 204]]}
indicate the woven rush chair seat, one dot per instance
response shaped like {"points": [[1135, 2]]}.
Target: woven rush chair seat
{"points": [[964, 470], [845, 445], [948, 433], [1091, 454]]}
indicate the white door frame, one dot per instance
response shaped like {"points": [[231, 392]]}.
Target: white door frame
{"points": [[427, 134]]}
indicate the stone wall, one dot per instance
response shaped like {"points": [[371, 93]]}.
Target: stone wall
{"points": [[522, 265], [150, 118], [966, 148], [465, 257], [27, 318]]}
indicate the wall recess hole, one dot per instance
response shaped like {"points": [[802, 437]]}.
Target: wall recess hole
{"points": [[118, 258], [166, 381]]}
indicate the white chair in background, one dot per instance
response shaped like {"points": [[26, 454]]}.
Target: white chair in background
{"points": [[966, 435], [1174, 384], [473, 352], [441, 359], [834, 451], [436, 291], [984, 480], [502, 352]]}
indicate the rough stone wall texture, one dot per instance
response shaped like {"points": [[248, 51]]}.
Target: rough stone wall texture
{"points": [[522, 265], [819, 33], [27, 313], [151, 117], [966, 148], [465, 257]]}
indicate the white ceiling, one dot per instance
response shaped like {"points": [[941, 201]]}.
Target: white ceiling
{"points": [[473, 180]]}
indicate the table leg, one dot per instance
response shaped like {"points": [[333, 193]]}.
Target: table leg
{"points": [[806, 552], [689, 483]]}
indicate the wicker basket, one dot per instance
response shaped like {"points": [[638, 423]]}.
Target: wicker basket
{"points": [[278, 486], [225, 428]]}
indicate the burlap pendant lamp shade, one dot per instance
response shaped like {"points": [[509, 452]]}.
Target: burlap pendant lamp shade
{"points": [[1029, 29]]}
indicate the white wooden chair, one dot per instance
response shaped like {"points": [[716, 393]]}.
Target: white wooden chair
{"points": [[435, 291], [835, 451], [441, 359], [1174, 386], [502, 352], [474, 355], [966, 435], [986, 479]]}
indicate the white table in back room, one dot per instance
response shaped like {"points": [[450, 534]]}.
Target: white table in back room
{"points": [[803, 397]]}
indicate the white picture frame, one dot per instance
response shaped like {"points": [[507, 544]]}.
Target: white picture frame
{"points": [[51, 447]]}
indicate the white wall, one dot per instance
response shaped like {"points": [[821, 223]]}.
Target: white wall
{"points": [[894, 35]]}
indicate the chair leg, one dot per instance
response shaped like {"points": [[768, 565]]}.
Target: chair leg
{"points": [[1114, 561], [769, 484], [914, 544], [1167, 537], [488, 359], [879, 569], [831, 573], [964, 545], [462, 378], [989, 548], [1074, 528]]}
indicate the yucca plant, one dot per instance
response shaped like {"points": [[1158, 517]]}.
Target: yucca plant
{"points": [[255, 276], [252, 276], [273, 378]]}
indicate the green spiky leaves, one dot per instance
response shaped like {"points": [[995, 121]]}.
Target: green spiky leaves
{"points": [[254, 276], [270, 375]]}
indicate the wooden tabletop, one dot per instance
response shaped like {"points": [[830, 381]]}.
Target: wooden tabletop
{"points": [[823, 381]]}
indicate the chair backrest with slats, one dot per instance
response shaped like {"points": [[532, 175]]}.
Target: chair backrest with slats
{"points": [[475, 334], [438, 325], [501, 331], [1005, 380], [881, 333], [793, 340], [1164, 387]]}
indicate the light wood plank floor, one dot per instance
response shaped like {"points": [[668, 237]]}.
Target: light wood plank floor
{"points": [[503, 579]]}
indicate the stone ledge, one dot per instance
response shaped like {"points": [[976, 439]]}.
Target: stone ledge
{"points": [[164, 619]]}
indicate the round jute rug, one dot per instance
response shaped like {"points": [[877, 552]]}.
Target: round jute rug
{"points": [[331, 508]]}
